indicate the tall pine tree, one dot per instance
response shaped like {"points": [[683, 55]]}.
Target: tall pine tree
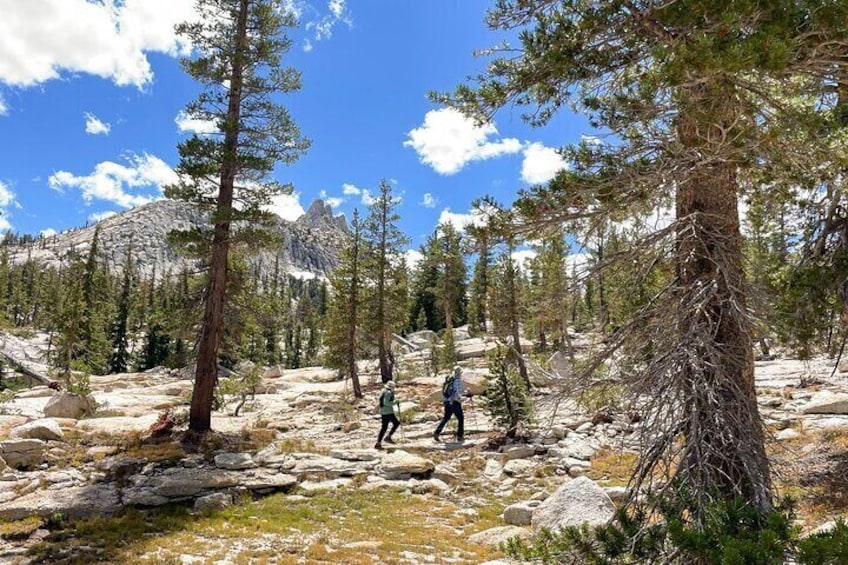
{"points": [[237, 46]]}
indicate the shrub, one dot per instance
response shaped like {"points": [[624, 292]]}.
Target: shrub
{"points": [[732, 533]]}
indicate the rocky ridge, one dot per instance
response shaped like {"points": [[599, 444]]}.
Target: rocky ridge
{"points": [[310, 245]]}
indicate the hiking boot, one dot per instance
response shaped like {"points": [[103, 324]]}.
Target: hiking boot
{"points": [[389, 440], [436, 437], [460, 439], [378, 445]]}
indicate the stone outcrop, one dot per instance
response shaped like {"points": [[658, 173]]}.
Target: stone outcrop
{"points": [[72, 502]]}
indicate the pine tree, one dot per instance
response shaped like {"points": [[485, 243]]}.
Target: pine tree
{"points": [[507, 401], [506, 304], [694, 96], [96, 348], [238, 44], [119, 361], [478, 290], [344, 315], [384, 242], [425, 309], [549, 293]]}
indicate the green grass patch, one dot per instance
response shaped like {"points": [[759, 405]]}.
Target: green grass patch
{"points": [[354, 527]]}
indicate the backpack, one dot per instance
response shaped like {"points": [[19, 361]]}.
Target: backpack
{"points": [[382, 396], [448, 387]]}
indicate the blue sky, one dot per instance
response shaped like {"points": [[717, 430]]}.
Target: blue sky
{"points": [[91, 91]]}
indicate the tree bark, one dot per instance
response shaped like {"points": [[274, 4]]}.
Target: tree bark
{"points": [[206, 377], [724, 452], [352, 312]]}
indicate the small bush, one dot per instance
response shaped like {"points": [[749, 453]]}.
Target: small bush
{"points": [[733, 533]]}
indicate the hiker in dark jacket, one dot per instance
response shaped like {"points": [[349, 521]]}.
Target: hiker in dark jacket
{"points": [[452, 391], [387, 414]]}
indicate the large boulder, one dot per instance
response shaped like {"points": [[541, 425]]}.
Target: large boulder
{"points": [[826, 402], [73, 502], [69, 405], [579, 501], [21, 453], [44, 429], [403, 465]]}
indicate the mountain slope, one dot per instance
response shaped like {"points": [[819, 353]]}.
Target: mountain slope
{"points": [[310, 247]]}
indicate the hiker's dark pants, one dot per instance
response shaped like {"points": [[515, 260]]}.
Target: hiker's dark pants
{"points": [[388, 419], [453, 409]]}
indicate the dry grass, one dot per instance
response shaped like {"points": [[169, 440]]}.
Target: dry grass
{"points": [[813, 470], [612, 468], [20, 529]]}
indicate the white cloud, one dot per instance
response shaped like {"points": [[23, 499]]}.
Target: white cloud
{"points": [[541, 164], [367, 199], [4, 110], [322, 27], [429, 201], [413, 257], [349, 189], [448, 140], [7, 198], [337, 7], [94, 126], [287, 206], [45, 39], [100, 216], [139, 182], [334, 202], [49, 232], [192, 124], [462, 221]]}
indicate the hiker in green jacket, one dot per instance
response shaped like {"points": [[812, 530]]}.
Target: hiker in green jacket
{"points": [[387, 413]]}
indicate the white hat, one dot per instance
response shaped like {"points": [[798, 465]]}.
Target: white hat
{"points": [[390, 385]]}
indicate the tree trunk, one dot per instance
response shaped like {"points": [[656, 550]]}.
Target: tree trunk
{"points": [[206, 377], [724, 454], [352, 312], [382, 322]]}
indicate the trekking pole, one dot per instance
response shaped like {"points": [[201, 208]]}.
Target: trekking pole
{"points": [[401, 425], [474, 412]]}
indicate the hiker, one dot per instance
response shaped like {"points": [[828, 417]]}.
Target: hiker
{"points": [[387, 413], [452, 391]]}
